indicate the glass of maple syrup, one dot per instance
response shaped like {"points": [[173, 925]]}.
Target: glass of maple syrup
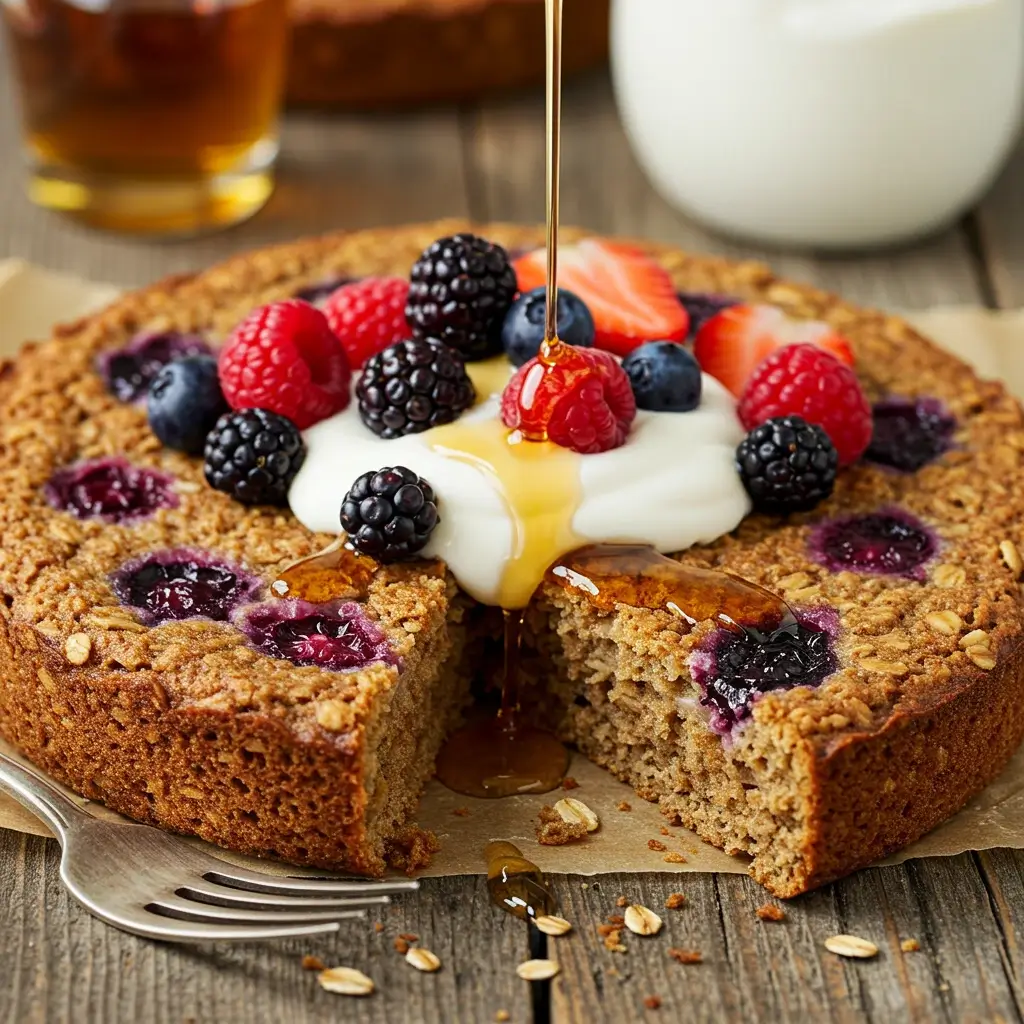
{"points": [[149, 116]]}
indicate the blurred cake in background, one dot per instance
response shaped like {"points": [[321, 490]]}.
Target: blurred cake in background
{"points": [[366, 54]]}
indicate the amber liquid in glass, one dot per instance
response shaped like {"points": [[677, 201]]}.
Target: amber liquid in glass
{"points": [[150, 115]]}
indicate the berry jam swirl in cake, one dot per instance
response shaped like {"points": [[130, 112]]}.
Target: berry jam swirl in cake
{"points": [[110, 489], [130, 370], [183, 584], [891, 542]]}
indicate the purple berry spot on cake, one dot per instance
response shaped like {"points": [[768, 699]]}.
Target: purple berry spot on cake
{"points": [[110, 489], [183, 584], [734, 669], [702, 307], [890, 542], [335, 637], [908, 434], [130, 370]]}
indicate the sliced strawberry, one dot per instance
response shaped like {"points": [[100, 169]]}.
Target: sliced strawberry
{"points": [[731, 345], [631, 297]]}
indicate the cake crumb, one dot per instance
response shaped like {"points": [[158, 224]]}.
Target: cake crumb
{"points": [[910, 945], [664, 831], [558, 833], [657, 845], [612, 936], [378, 926], [547, 814], [624, 805], [411, 848], [409, 936], [686, 956], [501, 1016], [313, 963], [401, 945], [674, 858], [616, 920], [652, 1002], [675, 900], [770, 912], [570, 783], [622, 902], [460, 812]]}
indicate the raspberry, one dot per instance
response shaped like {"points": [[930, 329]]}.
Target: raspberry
{"points": [[285, 358], [805, 381], [583, 401], [367, 316]]}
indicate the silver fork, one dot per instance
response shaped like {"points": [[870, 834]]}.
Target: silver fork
{"points": [[145, 881]]}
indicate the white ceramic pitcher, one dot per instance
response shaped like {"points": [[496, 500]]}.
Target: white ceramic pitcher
{"points": [[834, 123]]}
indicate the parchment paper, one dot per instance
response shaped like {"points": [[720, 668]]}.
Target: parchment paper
{"points": [[32, 300]]}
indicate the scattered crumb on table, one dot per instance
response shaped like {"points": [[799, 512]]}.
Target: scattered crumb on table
{"points": [[570, 783], [625, 805], [652, 1002], [675, 900], [770, 912], [910, 945], [657, 845], [622, 902], [313, 963], [460, 812], [674, 858], [686, 956]]}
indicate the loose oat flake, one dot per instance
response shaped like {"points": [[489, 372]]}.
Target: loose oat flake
{"points": [[346, 981], [423, 960], [575, 811], [641, 921], [852, 946], [551, 925], [537, 970]]}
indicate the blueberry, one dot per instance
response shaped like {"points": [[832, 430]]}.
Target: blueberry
{"points": [[665, 377], [523, 330], [185, 401]]}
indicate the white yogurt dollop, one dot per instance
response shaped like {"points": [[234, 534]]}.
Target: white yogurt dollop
{"points": [[673, 484]]}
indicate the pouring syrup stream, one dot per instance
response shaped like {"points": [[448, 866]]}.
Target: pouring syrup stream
{"points": [[502, 756]]}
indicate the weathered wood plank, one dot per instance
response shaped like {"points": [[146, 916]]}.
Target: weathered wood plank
{"points": [[756, 970], [604, 189], [57, 964]]}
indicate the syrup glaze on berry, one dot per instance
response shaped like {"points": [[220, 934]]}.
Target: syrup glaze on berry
{"points": [[110, 489], [130, 370], [183, 584], [886, 543], [908, 434], [734, 668], [336, 637]]}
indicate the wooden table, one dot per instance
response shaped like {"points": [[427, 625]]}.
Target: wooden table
{"points": [[57, 964]]}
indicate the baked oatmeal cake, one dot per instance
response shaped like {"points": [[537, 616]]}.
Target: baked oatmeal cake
{"points": [[371, 54], [160, 655]]}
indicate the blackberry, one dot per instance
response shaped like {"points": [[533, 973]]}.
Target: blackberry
{"points": [[412, 386], [461, 289], [253, 455], [787, 465], [389, 514]]}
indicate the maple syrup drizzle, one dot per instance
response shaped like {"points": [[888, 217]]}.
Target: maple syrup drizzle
{"points": [[503, 756], [334, 574], [637, 575], [516, 884]]}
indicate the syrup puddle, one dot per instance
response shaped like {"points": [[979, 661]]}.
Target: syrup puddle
{"points": [[502, 756]]}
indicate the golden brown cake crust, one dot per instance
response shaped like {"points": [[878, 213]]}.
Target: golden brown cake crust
{"points": [[186, 726], [370, 54]]}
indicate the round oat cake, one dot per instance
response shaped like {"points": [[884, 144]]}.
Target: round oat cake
{"points": [[189, 726]]}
